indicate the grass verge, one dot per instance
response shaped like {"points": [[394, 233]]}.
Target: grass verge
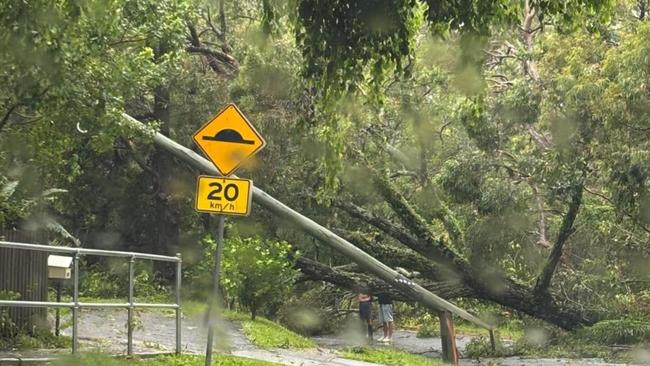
{"points": [[40, 341], [97, 359], [432, 329], [267, 334], [388, 356]]}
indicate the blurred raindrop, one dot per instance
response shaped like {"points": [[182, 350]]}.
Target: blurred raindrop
{"points": [[536, 336], [641, 356]]}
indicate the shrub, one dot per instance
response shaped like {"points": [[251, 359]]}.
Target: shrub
{"points": [[111, 282], [7, 326], [429, 327], [258, 273], [620, 331], [482, 347]]}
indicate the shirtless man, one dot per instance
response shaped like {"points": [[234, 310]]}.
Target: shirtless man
{"points": [[365, 313]]}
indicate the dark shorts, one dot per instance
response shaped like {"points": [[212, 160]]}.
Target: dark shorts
{"points": [[365, 309]]}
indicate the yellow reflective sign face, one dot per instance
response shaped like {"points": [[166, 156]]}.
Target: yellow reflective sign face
{"points": [[228, 139], [228, 196]]}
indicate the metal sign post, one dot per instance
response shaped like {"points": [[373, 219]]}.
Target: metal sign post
{"points": [[228, 140], [212, 304]]}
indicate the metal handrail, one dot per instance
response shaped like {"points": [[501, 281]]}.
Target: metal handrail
{"points": [[84, 251], [76, 305]]}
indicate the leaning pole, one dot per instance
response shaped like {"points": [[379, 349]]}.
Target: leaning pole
{"points": [[361, 258]]}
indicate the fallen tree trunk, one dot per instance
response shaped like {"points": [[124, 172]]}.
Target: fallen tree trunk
{"points": [[405, 286], [360, 282], [488, 286]]}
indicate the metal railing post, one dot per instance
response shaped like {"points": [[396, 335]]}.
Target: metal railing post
{"points": [[131, 305], [129, 322], [493, 342], [75, 308], [178, 303], [212, 304]]}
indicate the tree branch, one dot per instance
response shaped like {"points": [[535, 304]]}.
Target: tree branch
{"points": [[626, 213], [442, 212], [222, 21], [394, 256], [141, 163], [5, 119], [542, 226], [215, 57], [315, 271], [434, 248], [396, 231], [544, 279], [527, 34]]}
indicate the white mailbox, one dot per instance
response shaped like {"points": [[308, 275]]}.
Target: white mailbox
{"points": [[58, 266]]}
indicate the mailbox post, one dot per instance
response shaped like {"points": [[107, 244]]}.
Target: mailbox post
{"points": [[58, 269]]}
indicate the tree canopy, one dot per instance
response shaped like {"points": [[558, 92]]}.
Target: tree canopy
{"points": [[498, 148]]}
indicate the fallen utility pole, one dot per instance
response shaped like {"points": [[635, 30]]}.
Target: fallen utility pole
{"points": [[363, 259]]}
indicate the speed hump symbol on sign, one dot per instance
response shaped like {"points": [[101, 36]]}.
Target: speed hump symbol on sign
{"points": [[220, 195], [229, 139]]}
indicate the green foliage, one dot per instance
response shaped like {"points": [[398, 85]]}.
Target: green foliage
{"points": [[341, 43], [218, 360], [77, 63], [389, 357], [492, 170], [90, 359], [103, 281], [428, 330], [618, 331], [6, 324], [482, 347], [41, 339], [593, 341], [461, 179], [429, 327], [346, 42], [475, 120], [313, 312], [258, 273], [267, 334]]}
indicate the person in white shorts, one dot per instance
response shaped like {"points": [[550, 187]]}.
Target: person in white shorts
{"points": [[386, 316]]}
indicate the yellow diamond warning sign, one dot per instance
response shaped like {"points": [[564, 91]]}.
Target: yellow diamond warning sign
{"points": [[228, 139], [228, 196]]}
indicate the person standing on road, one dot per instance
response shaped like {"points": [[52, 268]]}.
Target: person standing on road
{"points": [[386, 315], [365, 313]]}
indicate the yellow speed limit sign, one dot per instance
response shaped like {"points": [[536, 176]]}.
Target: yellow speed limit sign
{"points": [[228, 196]]}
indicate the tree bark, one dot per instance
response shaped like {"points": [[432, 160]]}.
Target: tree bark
{"points": [[398, 257], [401, 234], [544, 280], [435, 249], [360, 282]]}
